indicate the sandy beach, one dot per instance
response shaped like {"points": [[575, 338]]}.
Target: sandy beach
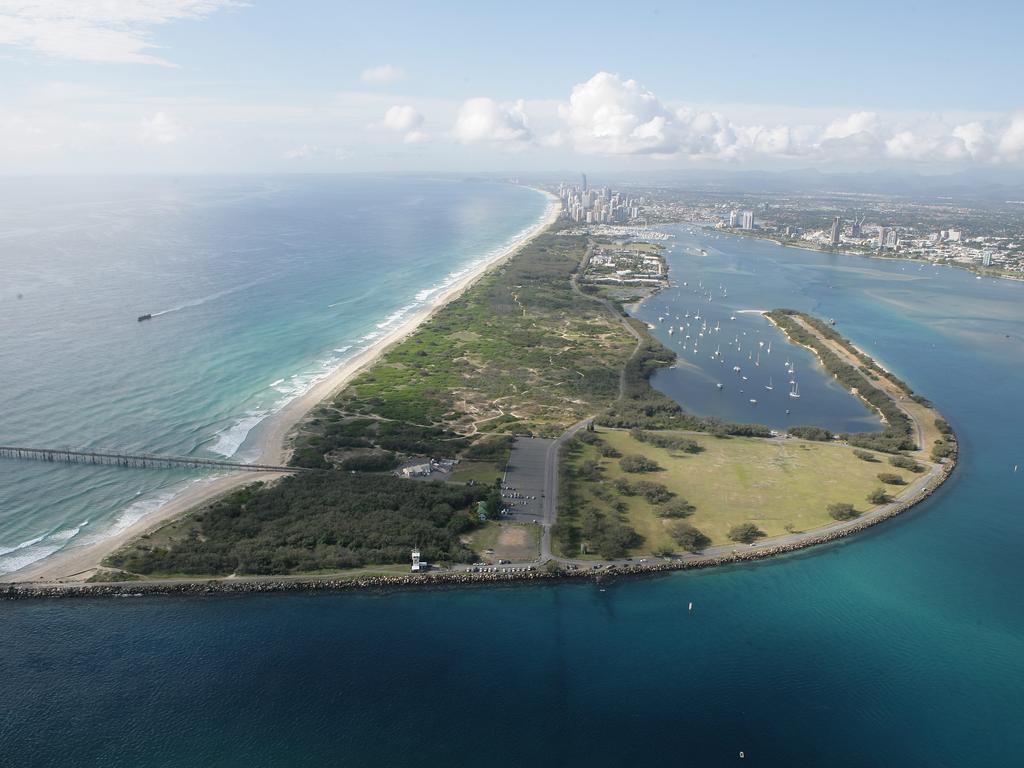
{"points": [[78, 563]]}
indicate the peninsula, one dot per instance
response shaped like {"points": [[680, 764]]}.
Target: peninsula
{"points": [[510, 431]]}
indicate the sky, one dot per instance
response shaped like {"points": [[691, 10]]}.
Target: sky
{"points": [[193, 86]]}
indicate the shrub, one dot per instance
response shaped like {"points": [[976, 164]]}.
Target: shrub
{"points": [[370, 462], [623, 486], [905, 462], [811, 433], [689, 538], [942, 450], [638, 463], [608, 451], [890, 478], [943, 426], [676, 508], [840, 511], [745, 533], [655, 493], [865, 455], [879, 496]]}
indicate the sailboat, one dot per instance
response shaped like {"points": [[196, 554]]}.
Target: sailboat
{"points": [[769, 384], [758, 361], [795, 391]]}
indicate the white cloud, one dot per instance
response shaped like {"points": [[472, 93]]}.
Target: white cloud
{"points": [[385, 73], [405, 119], [95, 30], [486, 120], [402, 118], [163, 129], [613, 116], [609, 115], [1011, 142], [858, 122]]}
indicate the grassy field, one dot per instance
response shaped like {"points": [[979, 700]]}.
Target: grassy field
{"points": [[782, 486], [481, 472]]}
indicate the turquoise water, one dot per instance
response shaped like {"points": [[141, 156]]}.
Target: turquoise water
{"points": [[258, 287], [901, 646]]}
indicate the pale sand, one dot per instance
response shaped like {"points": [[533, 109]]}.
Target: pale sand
{"points": [[78, 563]]}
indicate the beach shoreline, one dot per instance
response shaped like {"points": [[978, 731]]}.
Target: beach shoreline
{"points": [[275, 433]]}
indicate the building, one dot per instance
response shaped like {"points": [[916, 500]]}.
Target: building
{"points": [[747, 221], [955, 235], [837, 229], [986, 258], [417, 564], [883, 233], [734, 216]]}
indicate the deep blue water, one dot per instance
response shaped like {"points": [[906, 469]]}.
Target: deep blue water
{"points": [[258, 287], [901, 646]]}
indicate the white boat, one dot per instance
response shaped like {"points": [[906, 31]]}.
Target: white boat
{"points": [[795, 392], [753, 401], [769, 384], [671, 331], [719, 385]]}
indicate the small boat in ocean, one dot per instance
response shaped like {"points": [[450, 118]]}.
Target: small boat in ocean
{"points": [[753, 401], [769, 384], [719, 385], [795, 392], [146, 316]]}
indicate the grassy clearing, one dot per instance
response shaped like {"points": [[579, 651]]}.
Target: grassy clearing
{"points": [[782, 486], [480, 472], [518, 542]]}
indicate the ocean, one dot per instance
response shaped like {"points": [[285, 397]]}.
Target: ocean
{"points": [[258, 288], [903, 645]]}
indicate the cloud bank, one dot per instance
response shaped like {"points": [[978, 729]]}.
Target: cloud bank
{"points": [[609, 115], [114, 31]]}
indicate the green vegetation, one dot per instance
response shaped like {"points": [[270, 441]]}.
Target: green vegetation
{"points": [[842, 511], [891, 478], [879, 496], [942, 449], [906, 462], [811, 433], [865, 455], [780, 486], [314, 522], [676, 508], [104, 576], [688, 537], [745, 533], [898, 432], [636, 462]]}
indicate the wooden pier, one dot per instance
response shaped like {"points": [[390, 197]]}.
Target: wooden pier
{"points": [[137, 460]]}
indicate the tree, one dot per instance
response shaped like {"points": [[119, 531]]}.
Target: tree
{"points": [[638, 463], [840, 511], [879, 496], [905, 462], [655, 493], [746, 533], [676, 508], [864, 455], [891, 478], [689, 538]]}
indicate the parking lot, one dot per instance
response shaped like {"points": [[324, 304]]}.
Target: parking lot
{"points": [[523, 485]]}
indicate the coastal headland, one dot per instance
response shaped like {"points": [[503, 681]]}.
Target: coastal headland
{"points": [[527, 353]]}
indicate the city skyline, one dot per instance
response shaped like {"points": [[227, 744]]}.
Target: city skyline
{"points": [[217, 85]]}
